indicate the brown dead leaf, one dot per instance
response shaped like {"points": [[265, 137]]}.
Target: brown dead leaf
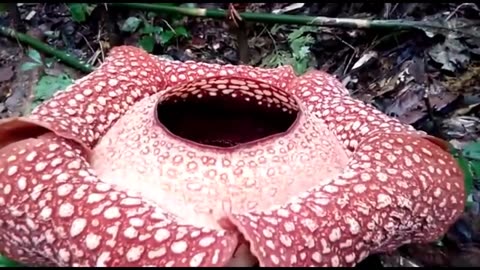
{"points": [[417, 69], [198, 43], [395, 259], [427, 254], [462, 128], [467, 82], [21, 88], [467, 257], [408, 98], [397, 79], [288, 8], [452, 55], [409, 104]]}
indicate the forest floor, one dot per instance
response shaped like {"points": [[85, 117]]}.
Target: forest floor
{"points": [[429, 81]]}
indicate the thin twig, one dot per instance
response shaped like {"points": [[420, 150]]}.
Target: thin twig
{"points": [[87, 42], [393, 9], [99, 38], [355, 52], [273, 40], [456, 10], [168, 25], [94, 57]]}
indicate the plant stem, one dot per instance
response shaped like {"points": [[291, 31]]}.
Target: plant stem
{"points": [[256, 17], [290, 19], [3, 7], [40, 46]]}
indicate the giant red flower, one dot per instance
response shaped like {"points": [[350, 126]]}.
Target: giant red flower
{"points": [[153, 162]]}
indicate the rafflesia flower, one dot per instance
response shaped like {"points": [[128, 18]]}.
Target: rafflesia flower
{"points": [[153, 162]]}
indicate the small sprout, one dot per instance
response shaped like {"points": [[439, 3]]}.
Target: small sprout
{"points": [[166, 36], [80, 11], [150, 35], [147, 43], [181, 31], [37, 61], [299, 56], [35, 56], [47, 86], [29, 66]]}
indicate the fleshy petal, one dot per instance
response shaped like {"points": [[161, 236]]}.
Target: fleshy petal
{"points": [[65, 192], [177, 73], [87, 108], [55, 211], [398, 187]]}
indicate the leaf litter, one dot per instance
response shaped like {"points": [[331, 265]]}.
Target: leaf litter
{"points": [[429, 78]]}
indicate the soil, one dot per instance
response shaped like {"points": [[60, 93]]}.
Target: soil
{"points": [[429, 81]]}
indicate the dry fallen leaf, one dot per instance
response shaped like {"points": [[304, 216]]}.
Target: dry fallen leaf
{"points": [[6, 73], [288, 8], [365, 59], [451, 54]]}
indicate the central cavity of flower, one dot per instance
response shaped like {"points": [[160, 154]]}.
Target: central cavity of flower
{"points": [[226, 112]]}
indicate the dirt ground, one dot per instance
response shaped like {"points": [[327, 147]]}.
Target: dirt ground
{"points": [[429, 81]]}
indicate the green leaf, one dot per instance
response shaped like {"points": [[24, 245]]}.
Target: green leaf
{"points": [[151, 15], [475, 168], [90, 7], [300, 41], [150, 29], [468, 177], [79, 11], [304, 52], [49, 85], [49, 62], [6, 262], [297, 44], [147, 29], [472, 151], [29, 65], [166, 36], [300, 65], [301, 52], [276, 28], [147, 43], [276, 59], [300, 32], [131, 24], [158, 30], [35, 56], [189, 5], [181, 31]]}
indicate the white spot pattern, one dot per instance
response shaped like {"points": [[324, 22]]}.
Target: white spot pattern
{"points": [[65, 203]]}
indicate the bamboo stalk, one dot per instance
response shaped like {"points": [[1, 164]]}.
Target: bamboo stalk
{"points": [[293, 19], [40, 46], [260, 17]]}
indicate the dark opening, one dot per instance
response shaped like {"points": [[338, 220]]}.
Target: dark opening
{"points": [[223, 120]]}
